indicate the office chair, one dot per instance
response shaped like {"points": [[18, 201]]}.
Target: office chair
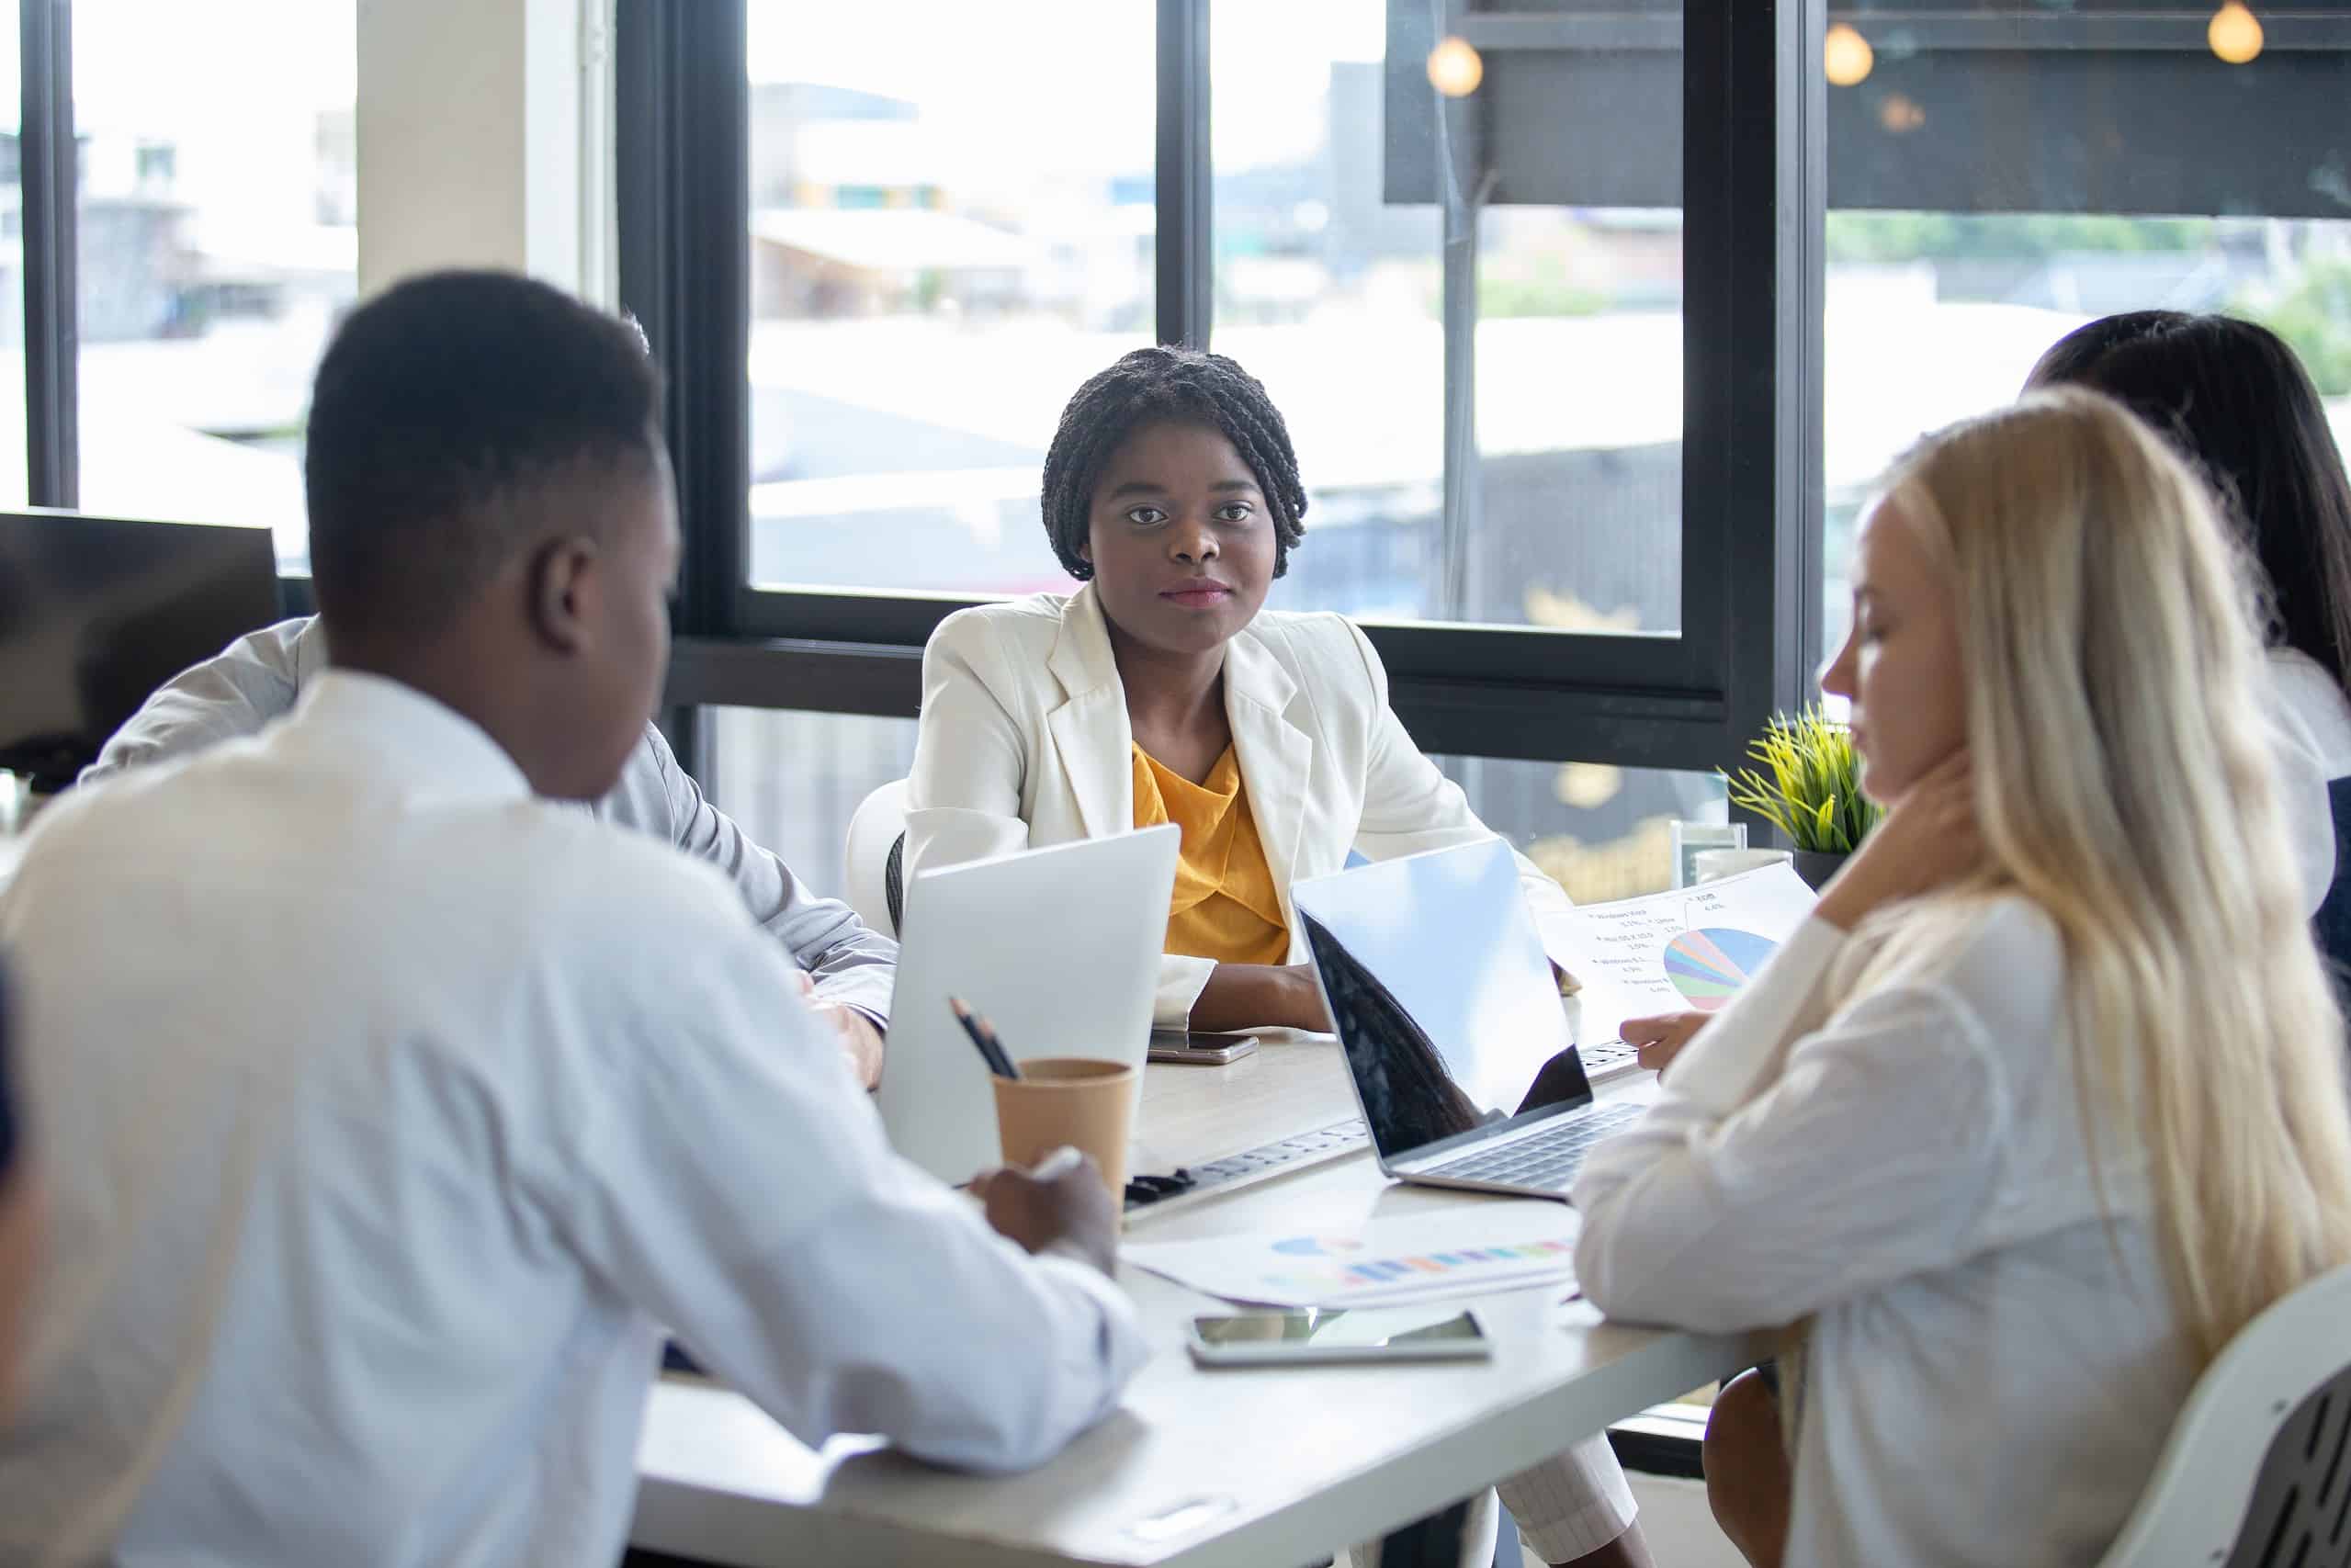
{"points": [[873, 864], [2257, 1471]]}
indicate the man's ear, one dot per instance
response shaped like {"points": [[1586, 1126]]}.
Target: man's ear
{"points": [[565, 580]]}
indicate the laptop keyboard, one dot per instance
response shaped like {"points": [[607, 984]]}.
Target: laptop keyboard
{"points": [[1549, 1160], [1251, 1166]]}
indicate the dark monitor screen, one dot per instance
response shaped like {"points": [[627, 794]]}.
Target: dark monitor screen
{"points": [[1443, 995], [97, 611]]}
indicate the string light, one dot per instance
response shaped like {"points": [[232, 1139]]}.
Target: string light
{"points": [[1846, 56], [1455, 69], [2236, 33]]}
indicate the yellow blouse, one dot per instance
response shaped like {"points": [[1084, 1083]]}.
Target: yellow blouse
{"points": [[1225, 906]]}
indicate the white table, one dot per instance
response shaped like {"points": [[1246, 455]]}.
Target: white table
{"points": [[1254, 1468]]}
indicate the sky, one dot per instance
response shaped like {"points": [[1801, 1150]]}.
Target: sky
{"points": [[153, 61]]}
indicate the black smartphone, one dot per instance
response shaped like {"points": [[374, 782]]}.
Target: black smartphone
{"points": [[1210, 1050]]}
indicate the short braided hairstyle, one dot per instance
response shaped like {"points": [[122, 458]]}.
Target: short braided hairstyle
{"points": [[1167, 386]]}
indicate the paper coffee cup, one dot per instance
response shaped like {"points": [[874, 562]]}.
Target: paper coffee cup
{"points": [[1089, 1105]]}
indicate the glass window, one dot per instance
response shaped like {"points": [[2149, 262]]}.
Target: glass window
{"points": [[1333, 187], [218, 244], [946, 241], [1600, 831], [1987, 201], [12, 271], [792, 780]]}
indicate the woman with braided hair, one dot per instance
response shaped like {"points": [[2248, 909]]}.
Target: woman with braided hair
{"points": [[1163, 690]]}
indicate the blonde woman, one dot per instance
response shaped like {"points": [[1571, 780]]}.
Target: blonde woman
{"points": [[2046, 1100]]}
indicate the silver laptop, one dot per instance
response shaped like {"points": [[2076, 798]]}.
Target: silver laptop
{"points": [[1450, 1017], [1057, 948]]}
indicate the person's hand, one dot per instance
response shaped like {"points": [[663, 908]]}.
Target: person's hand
{"points": [[860, 1042], [1657, 1040], [1071, 1207], [1306, 1009], [1929, 838]]}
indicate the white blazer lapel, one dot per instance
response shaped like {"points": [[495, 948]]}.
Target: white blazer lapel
{"points": [[1090, 732], [1276, 756]]}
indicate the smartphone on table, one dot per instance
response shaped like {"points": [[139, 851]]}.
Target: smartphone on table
{"points": [[1339, 1334], [1210, 1050]]}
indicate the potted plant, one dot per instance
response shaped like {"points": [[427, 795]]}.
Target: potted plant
{"points": [[1808, 786]]}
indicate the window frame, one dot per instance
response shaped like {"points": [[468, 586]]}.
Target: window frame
{"points": [[1751, 511], [51, 227]]}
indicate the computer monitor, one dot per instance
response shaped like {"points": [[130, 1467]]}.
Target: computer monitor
{"points": [[97, 611]]}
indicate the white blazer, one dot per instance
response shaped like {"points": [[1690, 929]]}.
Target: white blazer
{"points": [[1025, 742]]}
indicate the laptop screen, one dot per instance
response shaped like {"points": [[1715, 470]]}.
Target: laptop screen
{"points": [[1442, 995]]}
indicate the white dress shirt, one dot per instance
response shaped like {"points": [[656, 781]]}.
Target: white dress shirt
{"points": [[1992, 1369], [386, 1111], [1025, 742], [257, 678]]}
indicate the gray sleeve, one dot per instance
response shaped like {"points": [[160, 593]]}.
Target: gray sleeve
{"points": [[232, 693], [851, 963]]}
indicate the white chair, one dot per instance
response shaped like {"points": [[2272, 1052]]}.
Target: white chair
{"points": [[871, 865], [2257, 1471]]}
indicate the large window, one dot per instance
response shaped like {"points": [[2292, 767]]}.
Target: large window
{"points": [[944, 241], [217, 243], [1417, 312], [1997, 179], [12, 268], [937, 262], [1519, 278], [1471, 311]]}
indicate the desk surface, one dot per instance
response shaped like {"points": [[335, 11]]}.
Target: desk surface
{"points": [[1239, 1468]]}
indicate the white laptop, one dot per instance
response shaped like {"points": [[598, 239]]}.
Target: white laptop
{"points": [[1446, 1006], [1057, 948]]}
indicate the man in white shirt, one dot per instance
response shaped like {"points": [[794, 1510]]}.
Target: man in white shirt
{"points": [[388, 1110], [259, 678]]}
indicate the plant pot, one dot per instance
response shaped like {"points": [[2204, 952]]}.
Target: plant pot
{"points": [[1817, 866]]}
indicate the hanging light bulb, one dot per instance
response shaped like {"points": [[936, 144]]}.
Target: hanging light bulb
{"points": [[1455, 68], [2236, 33], [1846, 56]]}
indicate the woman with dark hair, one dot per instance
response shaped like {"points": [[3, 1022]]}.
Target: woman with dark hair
{"points": [[2231, 397], [1163, 691]]}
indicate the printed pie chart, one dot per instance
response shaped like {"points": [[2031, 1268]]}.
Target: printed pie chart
{"points": [[1709, 967]]}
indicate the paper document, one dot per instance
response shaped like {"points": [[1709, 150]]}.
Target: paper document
{"points": [[1465, 1251], [1693, 947]]}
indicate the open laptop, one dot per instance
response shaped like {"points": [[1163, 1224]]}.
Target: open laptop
{"points": [[1057, 948], [1450, 1017]]}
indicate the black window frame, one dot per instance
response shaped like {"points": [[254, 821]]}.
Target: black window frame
{"points": [[1751, 514]]}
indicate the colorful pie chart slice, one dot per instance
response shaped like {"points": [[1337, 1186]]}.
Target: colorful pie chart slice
{"points": [[1709, 967]]}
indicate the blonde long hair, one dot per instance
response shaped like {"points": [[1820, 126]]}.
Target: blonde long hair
{"points": [[2122, 782]]}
